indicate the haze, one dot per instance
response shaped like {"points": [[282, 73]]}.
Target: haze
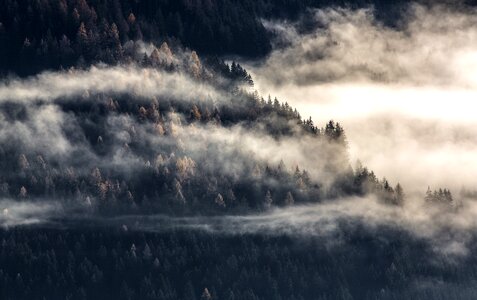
{"points": [[405, 96]]}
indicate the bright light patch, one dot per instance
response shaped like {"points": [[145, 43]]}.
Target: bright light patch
{"points": [[406, 98]]}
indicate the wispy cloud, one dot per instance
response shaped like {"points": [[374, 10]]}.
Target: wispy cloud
{"points": [[13, 213], [432, 47], [144, 82], [447, 233], [406, 95]]}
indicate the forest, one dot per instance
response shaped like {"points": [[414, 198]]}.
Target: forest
{"points": [[37, 35], [158, 140], [139, 161]]}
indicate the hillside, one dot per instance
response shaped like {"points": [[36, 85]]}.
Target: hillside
{"points": [[199, 150], [51, 34], [139, 161]]}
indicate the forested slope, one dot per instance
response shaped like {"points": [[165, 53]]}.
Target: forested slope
{"points": [[173, 152], [51, 34], [136, 163]]}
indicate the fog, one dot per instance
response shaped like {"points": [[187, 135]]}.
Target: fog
{"points": [[58, 137], [406, 95], [44, 127], [447, 233], [143, 82], [14, 213]]}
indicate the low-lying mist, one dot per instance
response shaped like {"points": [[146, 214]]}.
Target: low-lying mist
{"points": [[131, 79], [448, 233], [14, 213], [405, 95]]}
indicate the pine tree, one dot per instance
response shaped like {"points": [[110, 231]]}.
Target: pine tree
{"points": [[289, 200], [147, 254], [178, 192], [268, 200], [82, 38], [399, 195], [195, 113], [195, 65], [206, 295], [219, 200], [23, 162], [23, 193], [429, 196]]}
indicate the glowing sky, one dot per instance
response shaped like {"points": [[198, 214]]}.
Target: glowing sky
{"points": [[407, 98]]}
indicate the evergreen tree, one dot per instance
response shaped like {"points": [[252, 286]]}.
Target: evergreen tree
{"points": [[268, 200], [289, 199]]}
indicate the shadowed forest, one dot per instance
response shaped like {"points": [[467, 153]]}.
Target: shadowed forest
{"points": [[139, 158]]}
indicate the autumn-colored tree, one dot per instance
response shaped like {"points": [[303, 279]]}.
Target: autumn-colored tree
{"points": [[195, 65], [195, 113], [131, 19]]}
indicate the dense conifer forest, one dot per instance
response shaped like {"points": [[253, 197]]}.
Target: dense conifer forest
{"points": [[156, 140], [35, 35], [138, 161]]}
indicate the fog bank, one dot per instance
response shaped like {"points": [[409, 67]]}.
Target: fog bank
{"points": [[131, 79], [13, 213], [405, 97], [446, 232]]}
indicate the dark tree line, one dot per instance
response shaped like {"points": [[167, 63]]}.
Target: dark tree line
{"points": [[168, 178], [35, 35], [57, 33], [110, 263], [171, 180], [104, 175], [443, 198]]}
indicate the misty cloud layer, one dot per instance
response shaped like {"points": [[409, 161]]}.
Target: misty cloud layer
{"points": [[47, 129], [434, 47], [447, 233], [405, 99], [406, 96], [13, 213], [144, 82]]}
